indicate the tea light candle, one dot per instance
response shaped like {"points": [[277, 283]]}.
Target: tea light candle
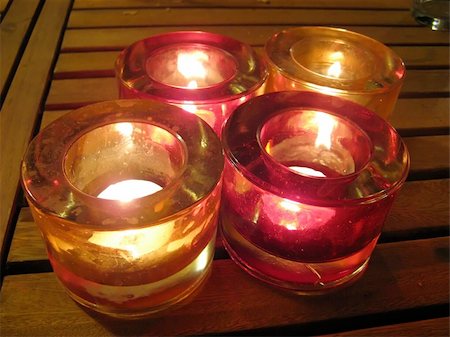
{"points": [[203, 73], [336, 62], [308, 181], [126, 194]]}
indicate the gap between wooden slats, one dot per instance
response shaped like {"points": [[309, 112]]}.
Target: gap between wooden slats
{"points": [[221, 306], [101, 64], [366, 4], [420, 210], [96, 39], [104, 18], [429, 327]]}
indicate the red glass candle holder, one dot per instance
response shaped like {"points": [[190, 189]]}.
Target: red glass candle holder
{"points": [[126, 195], [308, 182], [335, 62], [203, 73]]}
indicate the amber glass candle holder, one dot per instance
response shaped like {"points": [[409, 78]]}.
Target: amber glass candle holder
{"points": [[336, 62], [308, 181], [203, 73], [126, 194]]}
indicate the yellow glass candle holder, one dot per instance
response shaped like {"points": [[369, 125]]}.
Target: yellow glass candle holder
{"points": [[336, 62], [126, 194]]}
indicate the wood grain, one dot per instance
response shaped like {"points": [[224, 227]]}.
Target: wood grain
{"points": [[22, 104], [426, 83], [226, 16], [222, 306], [13, 31], [428, 154], [419, 116], [95, 39], [421, 207], [437, 327], [69, 93], [366, 4], [101, 64]]}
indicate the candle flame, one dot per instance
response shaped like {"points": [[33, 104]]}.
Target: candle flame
{"points": [[325, 124], [191, 66], [335, 69], [128, 190]]}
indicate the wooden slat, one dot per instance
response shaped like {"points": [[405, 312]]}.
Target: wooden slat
{"points": [[421, 207], [223, 16], [117, 38], [96, 64], [91, 64], [368, 4], [75, 92], [437, 327], [22, 103], [221, 306], [50, 116], [423, 56], [416, 116], [428, 154], [426, 82], [3, 4], [408, 117], [13, 30]]}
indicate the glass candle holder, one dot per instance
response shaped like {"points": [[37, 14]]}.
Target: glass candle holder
{"points": [[336, 62], [203, 73], [126, 194], [308, 181]]}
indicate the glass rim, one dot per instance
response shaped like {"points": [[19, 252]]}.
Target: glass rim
{"points": [[317, 32], [243, 55], [269, 105], [38, 183]]}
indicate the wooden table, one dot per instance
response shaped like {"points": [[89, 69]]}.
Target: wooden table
{"points": [[59, 55]]}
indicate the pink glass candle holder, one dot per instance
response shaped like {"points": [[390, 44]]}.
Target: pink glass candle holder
{"points": [[308, 182], [336, 62], [126, 194], [203, 73]]}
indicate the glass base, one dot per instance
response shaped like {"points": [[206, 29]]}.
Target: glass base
{"points": [[432, 13], [176, 302], [142, 300], [298, 277]]}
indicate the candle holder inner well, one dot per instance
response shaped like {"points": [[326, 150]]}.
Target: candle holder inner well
{"points": [[316, 143], [124, 149], [191, 66]]}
